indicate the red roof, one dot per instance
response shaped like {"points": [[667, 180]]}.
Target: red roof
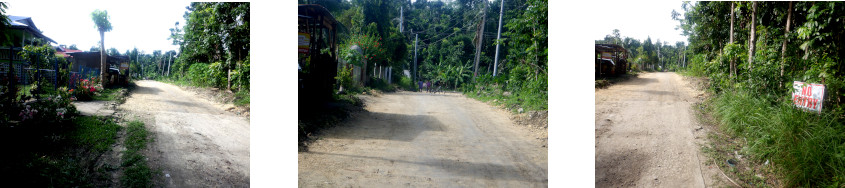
{"points": [[63, 51]]}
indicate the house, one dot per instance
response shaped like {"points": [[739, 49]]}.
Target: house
{"points": [[63, 50], [21, 32], [87, 65]]}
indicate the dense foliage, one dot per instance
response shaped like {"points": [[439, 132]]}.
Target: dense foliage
{"points": [[446, 36], [215, 32], [774, 44]]}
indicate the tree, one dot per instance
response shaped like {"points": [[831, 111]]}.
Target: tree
{"points": [[101, 21], [73, 47], [214, 32], [731, 41], [785, 39], [113, 52], [752, 33]]}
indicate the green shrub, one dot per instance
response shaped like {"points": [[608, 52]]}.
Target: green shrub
{"points": [[344, 78], [381, 85], [217, 75], [197, 74], [407, 84]]}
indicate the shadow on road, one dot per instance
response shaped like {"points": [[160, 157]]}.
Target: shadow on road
{"points": [[638, 81], [146, 90], [386, 126], [487, 171], [621, 169]]}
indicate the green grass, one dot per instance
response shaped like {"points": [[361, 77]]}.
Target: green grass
{"points": [[528, 100], [59, 155], [136, 173], [242, 98], [94, 133], [808, 149], [108, 94]]}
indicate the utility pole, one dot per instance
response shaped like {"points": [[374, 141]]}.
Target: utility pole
{"points": [[415, 56], [169, 60], [658, 55], [401, 19], [498, 37], [480, 36], [685, 56]]}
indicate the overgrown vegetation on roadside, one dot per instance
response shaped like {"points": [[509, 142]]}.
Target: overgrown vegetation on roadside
{"points": [[58, 155], [534, 96], [751, 69], [136, 173], [808, 149]]}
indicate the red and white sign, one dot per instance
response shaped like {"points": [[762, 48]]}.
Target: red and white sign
{"points": [[304, 42], [808, 96]]}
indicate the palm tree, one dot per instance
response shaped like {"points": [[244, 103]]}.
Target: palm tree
{"points": [[101, 21]]}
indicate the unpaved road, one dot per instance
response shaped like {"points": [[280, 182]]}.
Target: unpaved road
{"points": [[196, 142], [647, 134], [409, 139]]}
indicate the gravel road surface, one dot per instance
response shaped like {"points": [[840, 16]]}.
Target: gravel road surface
{"points": [[425, 140], [196, 142]]}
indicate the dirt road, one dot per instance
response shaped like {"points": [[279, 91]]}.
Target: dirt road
{"points": [[197, 143], [425, 140], [647, 134]]}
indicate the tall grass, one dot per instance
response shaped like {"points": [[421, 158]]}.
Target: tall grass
{"points": [[807, 148]]}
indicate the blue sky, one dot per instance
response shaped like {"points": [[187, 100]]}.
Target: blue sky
{"points": [[134, 23]]}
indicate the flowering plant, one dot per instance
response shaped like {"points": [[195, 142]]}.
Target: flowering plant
{"points": [[48, 110], [86, 89]]}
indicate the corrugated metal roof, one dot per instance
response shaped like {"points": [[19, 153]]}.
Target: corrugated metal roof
{"points": [[23, 22]]}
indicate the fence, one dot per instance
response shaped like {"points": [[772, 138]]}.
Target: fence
{"points": [[25, 74]]}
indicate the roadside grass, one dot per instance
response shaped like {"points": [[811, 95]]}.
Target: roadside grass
{"points": [[242, 98], [804, 149], [107, 94], [512, 101], [136, 173], [57, 155], [94, 132], [381, 85]]}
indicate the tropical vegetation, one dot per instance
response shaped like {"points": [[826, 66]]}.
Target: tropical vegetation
{"points": [[752, 52]]}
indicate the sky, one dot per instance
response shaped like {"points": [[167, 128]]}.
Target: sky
{"points": [[638, 20], [134, 23]]}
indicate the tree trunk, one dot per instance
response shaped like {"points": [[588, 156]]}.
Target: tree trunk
{"points": [[103, 65], [733, 61], [785, 39], [480, 36], [751, 40]]}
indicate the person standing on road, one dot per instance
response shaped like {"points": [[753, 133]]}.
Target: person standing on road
{"points": [[419, 85]]}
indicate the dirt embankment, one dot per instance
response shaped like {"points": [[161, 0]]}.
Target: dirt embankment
{"points": [[196, 142], [647, 135], [426, 140]]}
